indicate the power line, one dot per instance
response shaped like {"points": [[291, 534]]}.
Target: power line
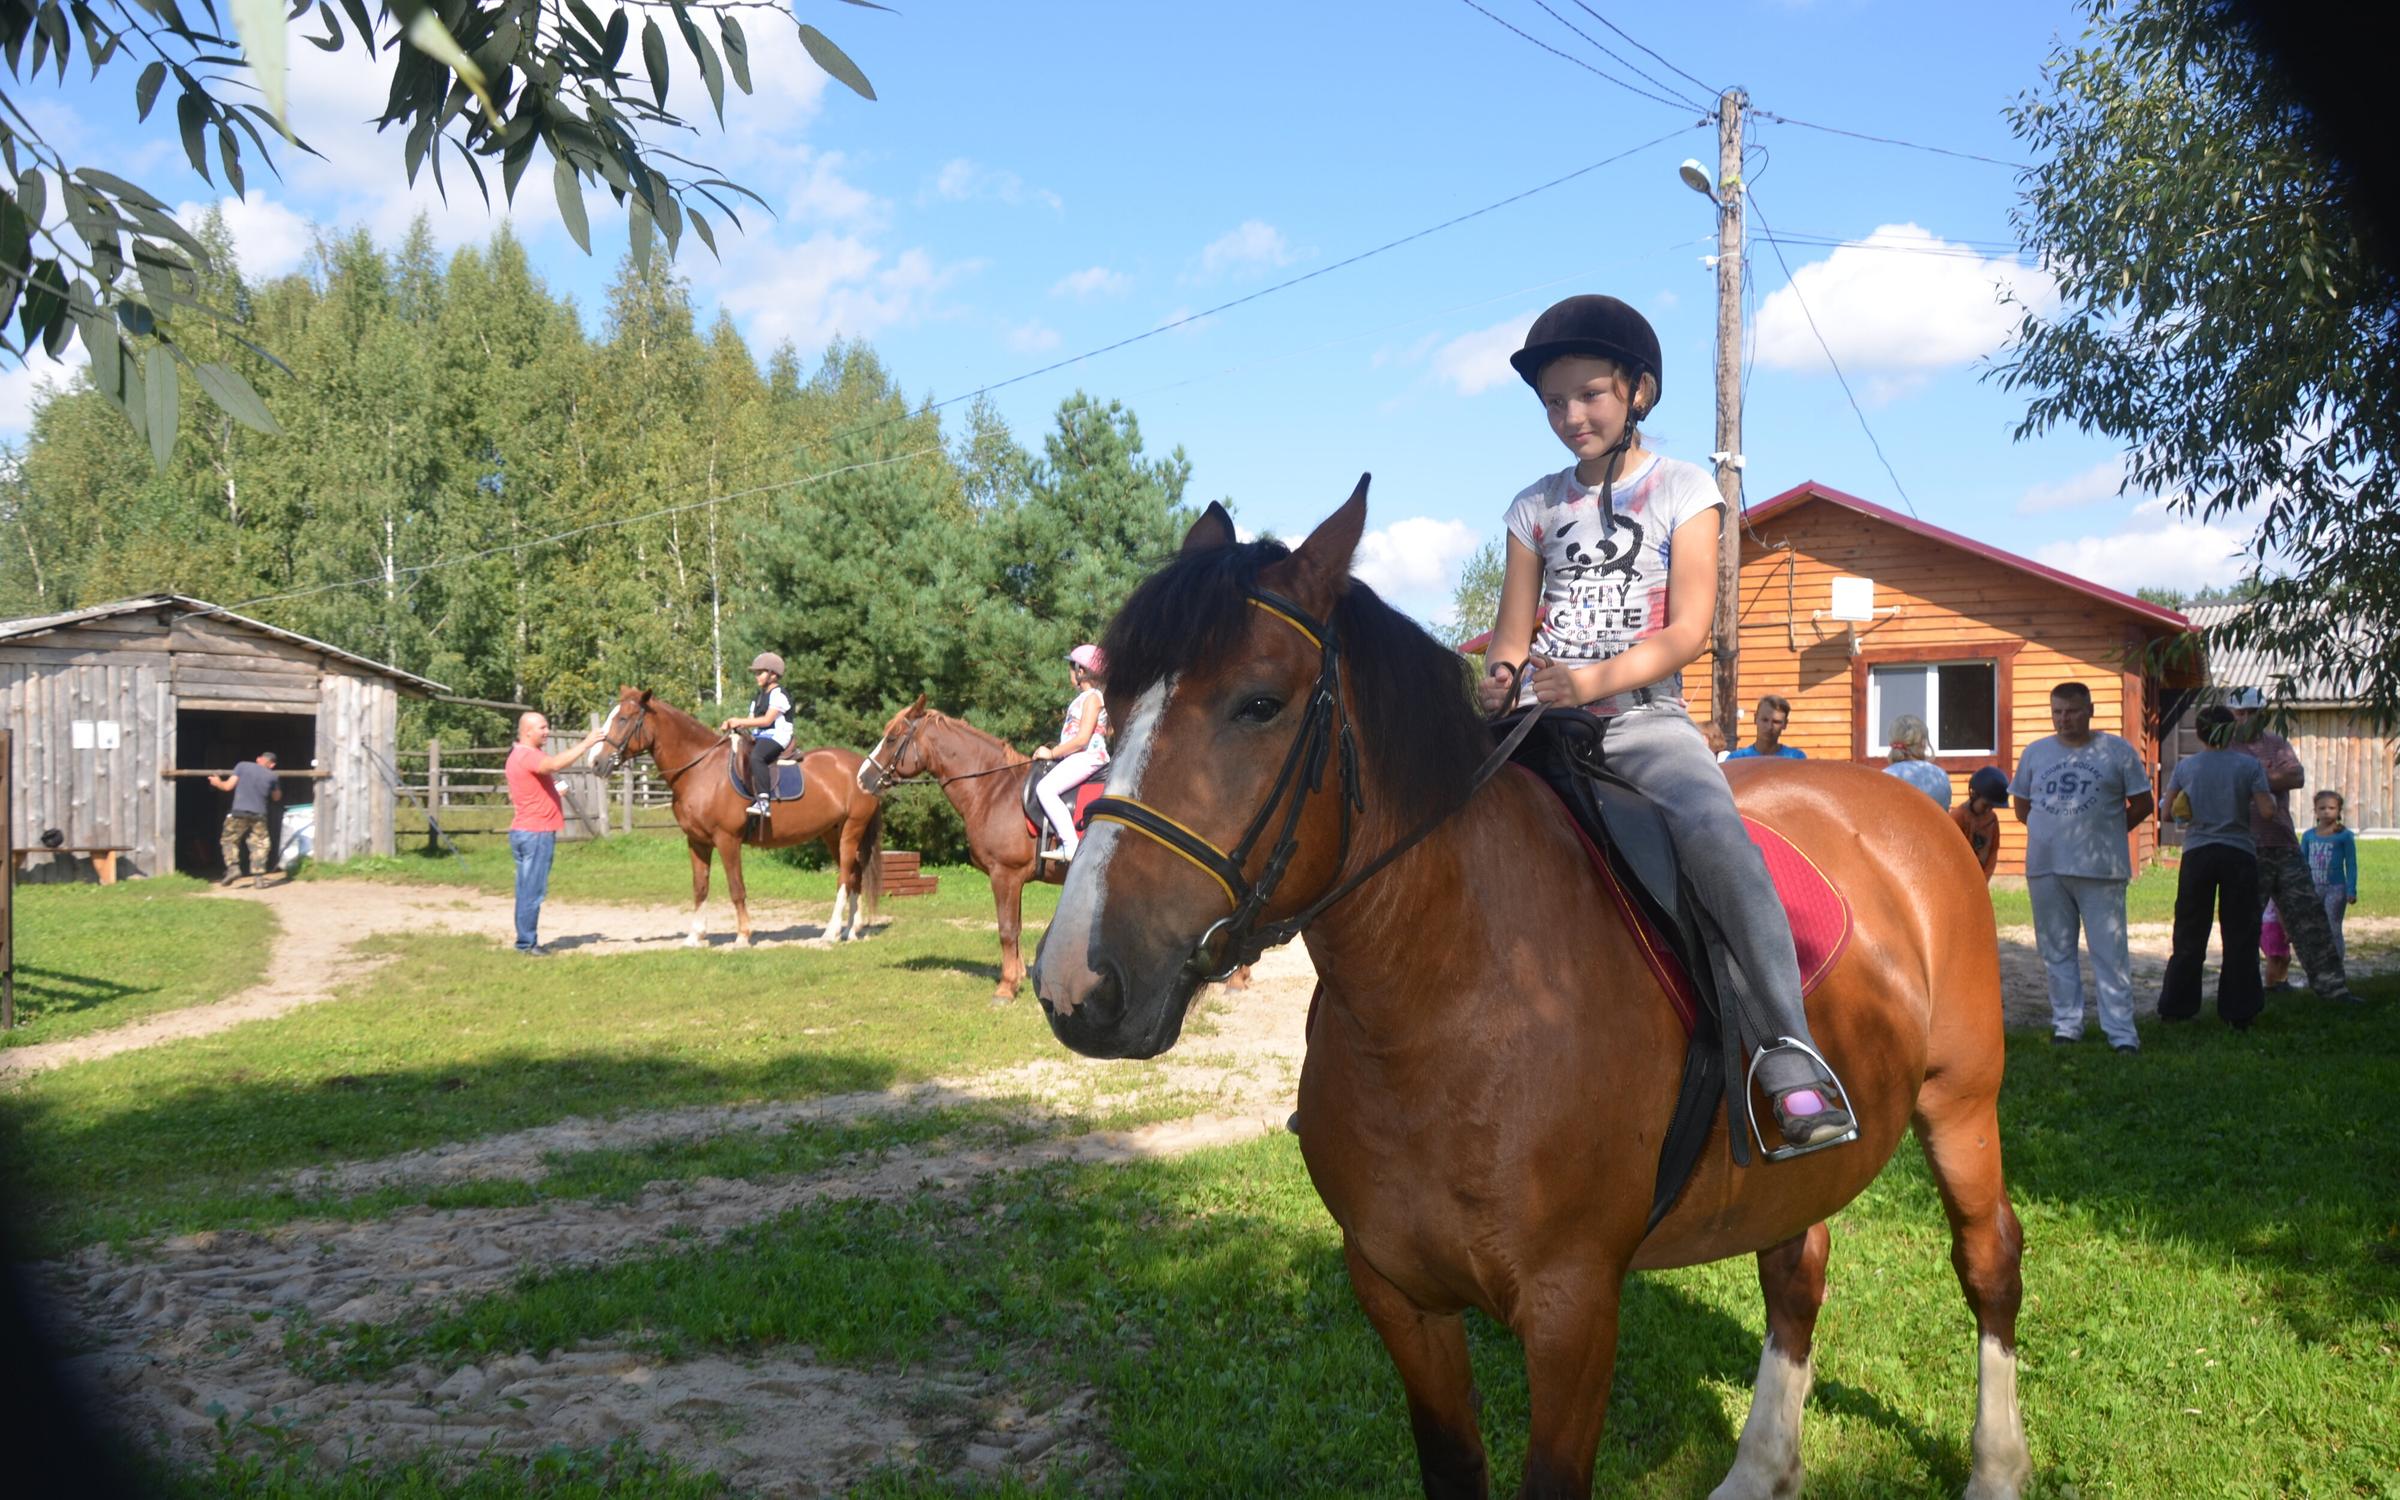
{"points": [[1799, 297], [1577, 61], [1885, 140], [1619, 58], [1882, 246], [1191, 318], [1709, 89]]}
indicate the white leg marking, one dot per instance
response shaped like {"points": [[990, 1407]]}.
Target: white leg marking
{"points": [[1766, 1463], [833, 924], [699, 923], [2002, 1467], [1086, 891]]}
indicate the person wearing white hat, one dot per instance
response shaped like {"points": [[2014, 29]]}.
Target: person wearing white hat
{"points": [[1082, 746], [770, 723]]}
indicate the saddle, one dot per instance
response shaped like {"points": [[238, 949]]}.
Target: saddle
{"points": [[1079, 801], [1633, 854], [790, 784]]}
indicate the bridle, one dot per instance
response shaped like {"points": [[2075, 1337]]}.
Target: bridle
{"points": [[884, 778], [1239, 937], [617, 747]]}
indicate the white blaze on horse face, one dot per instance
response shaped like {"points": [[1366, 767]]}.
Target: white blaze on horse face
{"points": [[1086, 892], [874, 763], [2002, 1467], [600, 745], [1766, 1462]]}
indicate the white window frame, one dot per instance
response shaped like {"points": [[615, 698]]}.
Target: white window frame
{"points": [[1933, 702]]}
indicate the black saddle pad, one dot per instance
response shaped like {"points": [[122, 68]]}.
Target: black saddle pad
{"points": [[1569, 750], [1033, 802], [790, 784]]}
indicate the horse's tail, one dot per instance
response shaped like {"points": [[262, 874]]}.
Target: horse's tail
{"points": [[870, 879]]}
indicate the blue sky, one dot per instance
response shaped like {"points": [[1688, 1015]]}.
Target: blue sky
{"points": [[1037, 181]]}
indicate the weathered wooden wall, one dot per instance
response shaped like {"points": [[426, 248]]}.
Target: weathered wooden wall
{"points": [[1953, 606], [358, 732], [2341, 753], [101, 670]]}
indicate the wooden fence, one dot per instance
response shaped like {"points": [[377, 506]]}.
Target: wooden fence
{"points": [[465, 788]]}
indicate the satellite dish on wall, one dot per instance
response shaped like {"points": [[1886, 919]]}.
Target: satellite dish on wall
{"points": [[1853, 599]]}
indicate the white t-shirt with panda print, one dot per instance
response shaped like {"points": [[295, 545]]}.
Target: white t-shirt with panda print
{"points": [[1604, 573]]}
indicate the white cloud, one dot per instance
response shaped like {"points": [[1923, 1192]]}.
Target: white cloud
{"points": [[1474, 362], [1255, 245], [1033, 338], [2157, 549], [21, 385], [961, 181], [269, 239], [1414, 562], [824, 195], [829, 285], [2099, 482], [1092, 281], [1901, 301]]}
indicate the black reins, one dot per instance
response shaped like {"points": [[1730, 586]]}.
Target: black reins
{"points": [[1240, 937], [618, 748]]}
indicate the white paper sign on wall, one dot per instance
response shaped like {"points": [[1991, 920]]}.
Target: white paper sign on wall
{"points": [[81, 736]]}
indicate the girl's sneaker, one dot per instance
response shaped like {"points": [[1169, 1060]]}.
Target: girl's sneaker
{"points": [[1810, 1119]]}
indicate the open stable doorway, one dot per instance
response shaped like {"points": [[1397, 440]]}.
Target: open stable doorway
{"points": [[208, 739]]}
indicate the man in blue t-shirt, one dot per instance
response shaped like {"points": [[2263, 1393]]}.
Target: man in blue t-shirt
{"points": [[254, 784], [1770, 717]]}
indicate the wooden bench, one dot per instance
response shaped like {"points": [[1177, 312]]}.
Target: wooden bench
{"points": [[901, 876], [102, 856]]}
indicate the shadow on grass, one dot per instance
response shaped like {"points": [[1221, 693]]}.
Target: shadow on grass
{"points": [[51, 992], [2272, 1148], [935, 963]]}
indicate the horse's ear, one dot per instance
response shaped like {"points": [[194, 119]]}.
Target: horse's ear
{"points": [[645, 697], [917, 708], [1214, 529], [1325, 556]]}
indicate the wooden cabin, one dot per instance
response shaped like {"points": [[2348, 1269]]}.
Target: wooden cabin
{"points": [[114, 708], [1859, 614]]}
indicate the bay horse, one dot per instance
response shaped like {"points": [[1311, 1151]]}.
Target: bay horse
{"points": [[691, 758], [984, 777], [1491, 1066]]}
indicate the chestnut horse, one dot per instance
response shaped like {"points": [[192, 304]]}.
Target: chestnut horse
{"points": [[713, 816], [1491, 1066], [984, 778]]}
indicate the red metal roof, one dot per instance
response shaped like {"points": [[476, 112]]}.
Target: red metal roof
{"points": [[1808, 489]]}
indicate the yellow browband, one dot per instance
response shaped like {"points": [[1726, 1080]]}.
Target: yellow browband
{"points": [[1102, 815]]}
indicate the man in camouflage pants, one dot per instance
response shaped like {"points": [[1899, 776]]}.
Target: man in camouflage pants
{"points": [[254, 784], [2282, 874]]}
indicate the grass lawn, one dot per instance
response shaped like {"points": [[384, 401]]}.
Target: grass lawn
{"points": [[2151, 896], [651, 867], [2178, 1337], [92, 956]]}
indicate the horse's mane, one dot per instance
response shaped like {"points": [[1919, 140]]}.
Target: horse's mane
{"points": [[1417, 726], [974, 730]]}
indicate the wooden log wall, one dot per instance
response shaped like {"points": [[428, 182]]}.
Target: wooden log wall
{"points": [[103, 670], [358, 731], [1953, 606]]}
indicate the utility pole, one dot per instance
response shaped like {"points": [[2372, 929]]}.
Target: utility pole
{"points": [[1725, 674]]}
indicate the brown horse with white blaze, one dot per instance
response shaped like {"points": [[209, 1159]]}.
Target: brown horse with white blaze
{"points": [[714, 817], [984, 778], [1491, 1066]]}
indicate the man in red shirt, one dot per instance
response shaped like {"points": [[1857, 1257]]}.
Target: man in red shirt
{"points": [[538, 818]]}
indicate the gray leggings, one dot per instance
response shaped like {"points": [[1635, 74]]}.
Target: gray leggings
{"points": [[1661, 752]]}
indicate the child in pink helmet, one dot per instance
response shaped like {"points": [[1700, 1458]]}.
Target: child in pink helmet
{"points": [[1082, 746]]}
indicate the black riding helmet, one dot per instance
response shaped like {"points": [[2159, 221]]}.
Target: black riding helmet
{"points": [[1602, 327]]}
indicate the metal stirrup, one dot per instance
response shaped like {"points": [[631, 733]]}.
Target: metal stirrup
{"points": [[1787, 1151]]}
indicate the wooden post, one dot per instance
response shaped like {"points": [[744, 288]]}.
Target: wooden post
{"points": [[8, 890], [625, 793], [1724, 673], [433, 775]]}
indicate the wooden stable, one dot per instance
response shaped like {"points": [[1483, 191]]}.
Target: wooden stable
{"points": [[1968, 636], [117, 711]]}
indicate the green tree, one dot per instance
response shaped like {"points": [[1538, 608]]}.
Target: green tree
{"points": [[2220, 315], [1475, 603], [490, 84]]}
